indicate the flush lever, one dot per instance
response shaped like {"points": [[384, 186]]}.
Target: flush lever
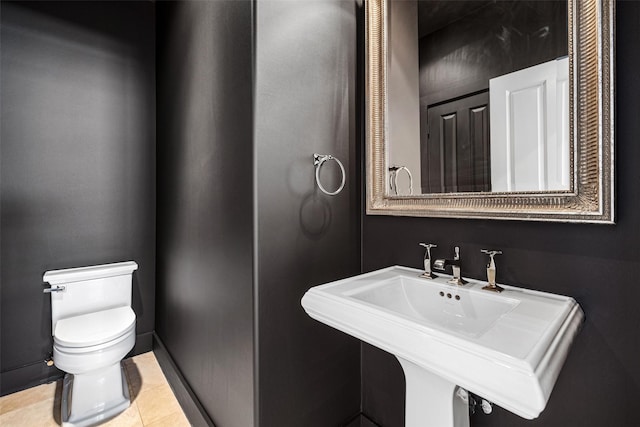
{"points": [[54, 288]]}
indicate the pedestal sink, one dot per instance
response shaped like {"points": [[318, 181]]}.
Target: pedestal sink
{"points": [[507, 348]]}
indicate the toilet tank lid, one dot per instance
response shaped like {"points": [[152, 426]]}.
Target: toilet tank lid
{"points": [[94, 328], [68, 275]]}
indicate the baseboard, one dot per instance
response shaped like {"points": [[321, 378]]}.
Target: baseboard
{"points": [[38, 373], [186, 397], [362, 421], [28, 376]]}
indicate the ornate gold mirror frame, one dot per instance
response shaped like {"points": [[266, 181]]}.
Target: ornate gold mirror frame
{"points": [[591, 196]]}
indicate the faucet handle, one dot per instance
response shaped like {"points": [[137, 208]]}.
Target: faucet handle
{"points": [[491, 252], [491, 271], [427, 261]]}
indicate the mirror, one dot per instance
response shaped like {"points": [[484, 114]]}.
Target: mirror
{"points": [[490, 109], [478, 95]]}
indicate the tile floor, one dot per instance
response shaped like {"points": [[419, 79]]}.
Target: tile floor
{"points": [[152, 401]]}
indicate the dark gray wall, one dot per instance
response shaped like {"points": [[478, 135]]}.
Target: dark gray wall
{"points": [[205, 224], [498, 38], [305, 103], [77, 162], [595, 264], [220, 172]]}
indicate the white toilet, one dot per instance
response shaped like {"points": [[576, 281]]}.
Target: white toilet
{"points": [[93, 328]]}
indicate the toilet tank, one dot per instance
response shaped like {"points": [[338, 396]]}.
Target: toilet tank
{"points": [[90, 289]]}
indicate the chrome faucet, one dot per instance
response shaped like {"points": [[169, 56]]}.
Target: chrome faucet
{"points": [[427, 261], [456, 266]]}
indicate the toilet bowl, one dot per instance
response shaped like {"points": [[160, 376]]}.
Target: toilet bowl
{"points": [[93, 328]]}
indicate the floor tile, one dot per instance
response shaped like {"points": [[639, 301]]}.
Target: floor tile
{"points": [[177, 419], [28, 397], [157, 403], [143, 371], [129, 418], [41, 414]]}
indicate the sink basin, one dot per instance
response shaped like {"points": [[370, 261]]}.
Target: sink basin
{"points": [[507, 347], [438, 306]]}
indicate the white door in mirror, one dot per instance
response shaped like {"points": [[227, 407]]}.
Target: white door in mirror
{"points": [[530, 128]]}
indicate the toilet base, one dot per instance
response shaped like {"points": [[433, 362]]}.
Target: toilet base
{"points": [[94, 397]]}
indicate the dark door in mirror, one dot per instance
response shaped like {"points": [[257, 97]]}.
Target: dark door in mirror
{"points": [[455, 154]]}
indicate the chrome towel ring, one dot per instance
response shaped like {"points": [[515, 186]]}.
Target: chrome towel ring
{"points": [[393, 178], [318, 161]]}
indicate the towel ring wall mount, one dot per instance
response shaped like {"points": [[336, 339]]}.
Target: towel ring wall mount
{"points": [[318, 161]]}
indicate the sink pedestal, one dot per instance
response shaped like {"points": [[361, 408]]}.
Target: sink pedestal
{"points": [[431, 400]]}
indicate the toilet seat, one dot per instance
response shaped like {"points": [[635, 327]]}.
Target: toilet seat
{"points": [[98, 329], [63, 349]]}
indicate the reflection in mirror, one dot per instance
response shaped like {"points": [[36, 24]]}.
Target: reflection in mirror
{"points": [[478, 96], [490, 121]]}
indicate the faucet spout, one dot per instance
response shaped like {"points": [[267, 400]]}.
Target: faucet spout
{"points": [[441, 263], [456, 267]]}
